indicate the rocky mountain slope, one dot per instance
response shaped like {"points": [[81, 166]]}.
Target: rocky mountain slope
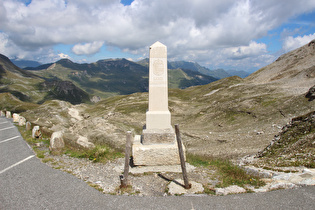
{"points": [[292, 70], [294, 146], [231, 117], [30, 87]]}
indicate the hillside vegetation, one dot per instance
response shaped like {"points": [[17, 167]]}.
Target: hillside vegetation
{"points": [[231, 117]]}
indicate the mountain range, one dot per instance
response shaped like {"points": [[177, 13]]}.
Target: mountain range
{"points": [[76, 83], [194, 66], [230, 117]]}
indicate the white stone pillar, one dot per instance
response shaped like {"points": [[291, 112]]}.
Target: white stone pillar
{"points": [[157, 144], [158, 116]]}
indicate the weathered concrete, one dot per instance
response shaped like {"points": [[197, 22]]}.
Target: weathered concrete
{"points": [[154, 154], [158, 136], [2, 114], [8, 114], [16, 117]]}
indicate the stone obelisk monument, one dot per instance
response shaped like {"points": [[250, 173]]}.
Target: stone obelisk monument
{"points": [[157, 144]]}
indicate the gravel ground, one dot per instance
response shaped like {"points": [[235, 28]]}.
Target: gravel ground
{"points": [[105, 177]]}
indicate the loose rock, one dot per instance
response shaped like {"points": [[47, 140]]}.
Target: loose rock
{"points": [[36, 133], [22, 121], [16, 118], [28, 126], [84, 142], [56, 141], [176, 188], [8, 114]]}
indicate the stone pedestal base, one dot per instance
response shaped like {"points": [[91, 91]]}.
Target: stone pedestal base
{"points": [[158, 136], [154, 154]]}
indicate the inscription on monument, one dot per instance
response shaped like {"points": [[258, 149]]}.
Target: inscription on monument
{"points": [[158, 67]]}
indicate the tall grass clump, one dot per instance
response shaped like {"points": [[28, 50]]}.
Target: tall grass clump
{"points": [[227, 173]]}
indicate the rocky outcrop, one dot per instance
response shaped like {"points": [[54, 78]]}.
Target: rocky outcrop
{"points": [[294, 144], [64, 90], [95, 99], [84, 142], [311, 94]]}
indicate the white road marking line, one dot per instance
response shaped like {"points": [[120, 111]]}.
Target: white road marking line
{"points": [[9, 139], [7, 128], [3, 122], [18, 163]]}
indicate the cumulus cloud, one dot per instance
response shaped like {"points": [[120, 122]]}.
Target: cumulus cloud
{"points": [[61, 55], [87, 48], [292, 43], [251, 50], [191, 29]]}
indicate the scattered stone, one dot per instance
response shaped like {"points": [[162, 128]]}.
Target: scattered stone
{"points": [[28, 126], [36, 132], [56, 141], [86, 116], [280, 185], [16, 118], [22, 121], [260, 133], [176, 187], [259, 172], [39, 144], [233, 189], [160, 169], [8, 114], [84, 142]]}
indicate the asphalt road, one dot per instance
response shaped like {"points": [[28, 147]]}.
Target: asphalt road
{"points": [[27, 183]]}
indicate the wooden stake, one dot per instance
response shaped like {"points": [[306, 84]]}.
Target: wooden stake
{"points": [[181, 156], [124, 178]]}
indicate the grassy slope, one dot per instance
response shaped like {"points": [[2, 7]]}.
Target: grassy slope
{"points": [[224, 117]]}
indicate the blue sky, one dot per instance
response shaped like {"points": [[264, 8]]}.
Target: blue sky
{"points": [[240, 35]]}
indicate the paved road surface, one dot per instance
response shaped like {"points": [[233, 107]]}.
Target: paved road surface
{"points": [[27, 183]]}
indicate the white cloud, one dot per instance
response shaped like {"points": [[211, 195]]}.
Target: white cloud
{"points": [[87, 48], [199, 29], [292, 43], [61, 55], [253, 49]]}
